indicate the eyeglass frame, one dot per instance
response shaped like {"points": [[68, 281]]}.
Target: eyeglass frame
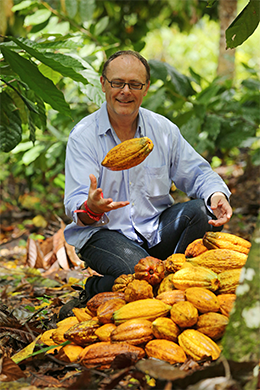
{"points": [[124, 84]]}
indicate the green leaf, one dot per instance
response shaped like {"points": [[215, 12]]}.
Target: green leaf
{"points": [[155, 100], [86, 9], [168, 74], [208, 93], [40, 16], [50, 73], [23, 5], [10, 124], [71, 8], [42, 86], [101, 25], [33, 153], [244, 25], [61, 63]]}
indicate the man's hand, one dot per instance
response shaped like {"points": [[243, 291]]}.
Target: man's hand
{"points": [[221, 208], [97, 203]]}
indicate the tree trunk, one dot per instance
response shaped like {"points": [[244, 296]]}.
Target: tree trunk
{"points": [[226, 60]]}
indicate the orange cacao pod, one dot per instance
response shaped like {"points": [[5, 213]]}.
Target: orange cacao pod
{"points": [[171, 297], [104, 331], [103, 353], [150, 269], [174, 262], [121, 282], [106, 309], [226, 302], [165, 350], [203, 299], [135, 332], [195, 248], [212, 325], [96, 301]]}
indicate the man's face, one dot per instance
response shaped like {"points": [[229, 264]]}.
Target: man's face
{"points": [[124, 103]]}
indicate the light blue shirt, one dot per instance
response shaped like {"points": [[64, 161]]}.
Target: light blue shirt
{"points": [[146, 186]]}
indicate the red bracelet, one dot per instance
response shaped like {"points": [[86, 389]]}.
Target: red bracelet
{"points": [[91, 214]]}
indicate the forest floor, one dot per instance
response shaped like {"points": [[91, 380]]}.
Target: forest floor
{"points": [[20, 290]]}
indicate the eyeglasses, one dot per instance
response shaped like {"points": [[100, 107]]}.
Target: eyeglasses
{"points": [[121, 84]]}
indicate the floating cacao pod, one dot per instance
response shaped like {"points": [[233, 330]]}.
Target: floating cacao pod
{"points": [[106, 310], [219, 260], [103, 353], [121, 282], [148, 309], [174, 262], [150, 269], [165, 350], [128, 154], [184, 314], [99, 298], [195, 248], [165, 328], [226, 302], [135, 332], [197, 345], [203, 299], [219, 240], [83, 333], [195, 276], [171, 297], [138, 289], [212, 325]]}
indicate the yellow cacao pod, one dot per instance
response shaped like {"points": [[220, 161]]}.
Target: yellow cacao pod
{"points": [[228, 281], [104, 331], [135, 332], [226, 302], [197, 345], [165, 350], [46, 338], [166, 284], [69, 353], [212, 325], [148, 309], [58, 334], [103, 353], [128, 154], [174, 262], [81, 315], [83, 333], [195, 248], [138, 289], [165, 328], [195, 276], [171, 297], [184, 314], [219, 240], [203, 299], [219, 260], [68, 321], [95, 302]]}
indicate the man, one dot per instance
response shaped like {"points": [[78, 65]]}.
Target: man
{"points": [[121, 217]]}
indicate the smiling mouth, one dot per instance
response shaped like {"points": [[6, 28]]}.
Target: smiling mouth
{"points": [[124, 102]]}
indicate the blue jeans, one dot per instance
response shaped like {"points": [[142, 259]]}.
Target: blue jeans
{"points": [[111, 254]]}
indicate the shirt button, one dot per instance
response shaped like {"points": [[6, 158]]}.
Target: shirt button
{"points": [[130, 182], [133, 204]]}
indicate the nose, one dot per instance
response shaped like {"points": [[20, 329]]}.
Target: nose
{"points": [[126, 90]]}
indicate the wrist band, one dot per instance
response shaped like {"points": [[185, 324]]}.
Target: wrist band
{"points": [[91, 214]]}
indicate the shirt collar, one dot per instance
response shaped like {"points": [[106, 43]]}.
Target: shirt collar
{"points": [[105, 126]]}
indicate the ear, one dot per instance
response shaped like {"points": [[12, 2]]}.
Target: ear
{"points": [[146, 88], [102, 81]]}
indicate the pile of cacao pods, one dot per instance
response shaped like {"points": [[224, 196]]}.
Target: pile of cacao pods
{"points": [[170, 310]]}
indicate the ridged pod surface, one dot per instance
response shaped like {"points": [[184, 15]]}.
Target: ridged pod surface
{"points": [[203, 299], [171, 297], [197, 345], [226, 302], [228, 281], [148, 309], [165, 328], [165, 350], [184, 314], [214, 240], [106, 309], [128, 154], [219, 260], [135, 332], [212, 325], [195, 248], [195, 277], [103, 353], [83, 333]]}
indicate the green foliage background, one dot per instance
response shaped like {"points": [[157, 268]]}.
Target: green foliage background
{"points": [[52, 56]]}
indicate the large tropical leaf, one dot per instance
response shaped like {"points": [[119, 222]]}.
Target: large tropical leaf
{"points": [[244, 25], [42, 86], [10, 124]]}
